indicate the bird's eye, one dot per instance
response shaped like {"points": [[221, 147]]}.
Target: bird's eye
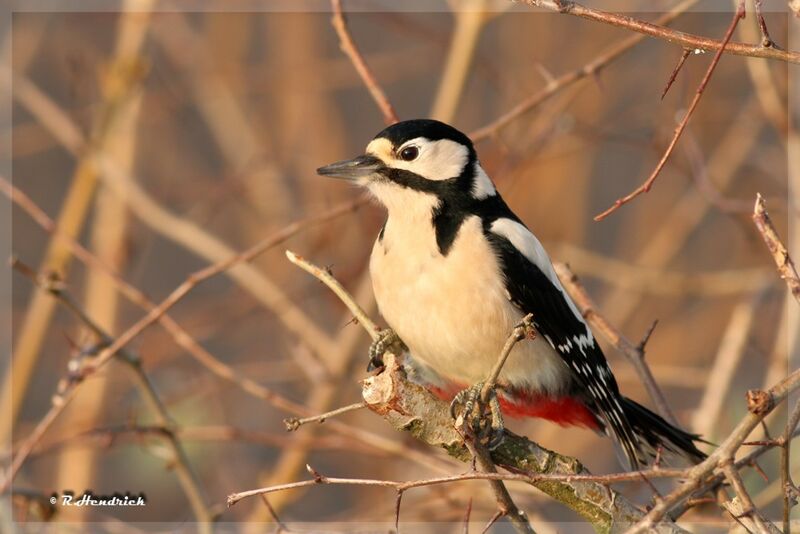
{"points": [[409, 153]]}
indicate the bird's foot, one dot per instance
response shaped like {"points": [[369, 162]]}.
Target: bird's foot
{"points": [[469, 404], [387, 339]]}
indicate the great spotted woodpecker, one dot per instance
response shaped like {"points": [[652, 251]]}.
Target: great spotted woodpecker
{"points": [[454, 270]]}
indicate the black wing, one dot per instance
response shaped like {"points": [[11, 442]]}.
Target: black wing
{"points": [[532, 291]]}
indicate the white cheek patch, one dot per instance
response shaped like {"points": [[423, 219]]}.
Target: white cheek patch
{"points": [[438, 160], [482, 186]]}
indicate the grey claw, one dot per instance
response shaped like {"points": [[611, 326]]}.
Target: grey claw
{"points": [[470, 398], [386, 338]]}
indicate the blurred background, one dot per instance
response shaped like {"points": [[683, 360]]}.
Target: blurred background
{"points": [[215, 123]]}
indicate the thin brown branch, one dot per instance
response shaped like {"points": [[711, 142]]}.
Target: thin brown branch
{"points": [[349, 47], [293, 423], [686, 40], [762, 404], [522, 331], [506, 505], [648, 184], [766, 40], [634, 476], [634, 353], [326, 278], [590, 69], [675, 71], [780, 254], [179, 461], [786, 476], [749, 510]]}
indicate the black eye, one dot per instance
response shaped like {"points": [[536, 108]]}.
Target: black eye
{"points": [[409, 153]]}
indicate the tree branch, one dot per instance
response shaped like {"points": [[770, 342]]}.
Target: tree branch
{"points": [[686, 40], [350, 49], [778, 250], [648, 184]]}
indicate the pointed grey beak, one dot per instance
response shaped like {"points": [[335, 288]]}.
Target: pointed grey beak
{"points": [[352, 169]]}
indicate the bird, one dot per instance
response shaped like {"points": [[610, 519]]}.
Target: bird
{"points": [[454, 271]]}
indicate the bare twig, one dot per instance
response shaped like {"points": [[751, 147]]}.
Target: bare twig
{"points": [[675, 71], [351, 50], [684, 39], [326, 278], [293, 423], [761, 525], [766, 40], [786, 477], [506, 505], [767, 400], [784, 262], [523, 330], [590, 69], [634, 354], [645, 187], [179, 460]]}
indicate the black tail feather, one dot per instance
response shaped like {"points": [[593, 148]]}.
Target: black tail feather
{"points": [[654, 432]]}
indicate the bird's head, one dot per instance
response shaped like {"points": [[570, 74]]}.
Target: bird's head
{"points": [[416, 156]]}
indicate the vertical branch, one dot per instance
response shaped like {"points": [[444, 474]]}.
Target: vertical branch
{"points": [[76, 466], [470, 20], [123, 76], [351, 50], [780, 254], [721, 375], [507, 507]]}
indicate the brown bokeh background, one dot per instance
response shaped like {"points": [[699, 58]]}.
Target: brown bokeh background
{"points": [[221, 118]]}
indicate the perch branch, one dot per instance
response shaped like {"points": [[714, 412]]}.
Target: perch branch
{"points": [[523, 330], [410, 407]]}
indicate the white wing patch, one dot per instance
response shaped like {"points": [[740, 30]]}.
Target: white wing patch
{"points": [[529, 246], [482, 187]]}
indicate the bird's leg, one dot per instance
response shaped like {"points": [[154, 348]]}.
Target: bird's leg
{"points": [[387, 339], [469, 404]]}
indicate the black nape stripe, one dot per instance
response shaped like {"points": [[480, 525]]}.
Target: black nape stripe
{"points": [[456, 202]]}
